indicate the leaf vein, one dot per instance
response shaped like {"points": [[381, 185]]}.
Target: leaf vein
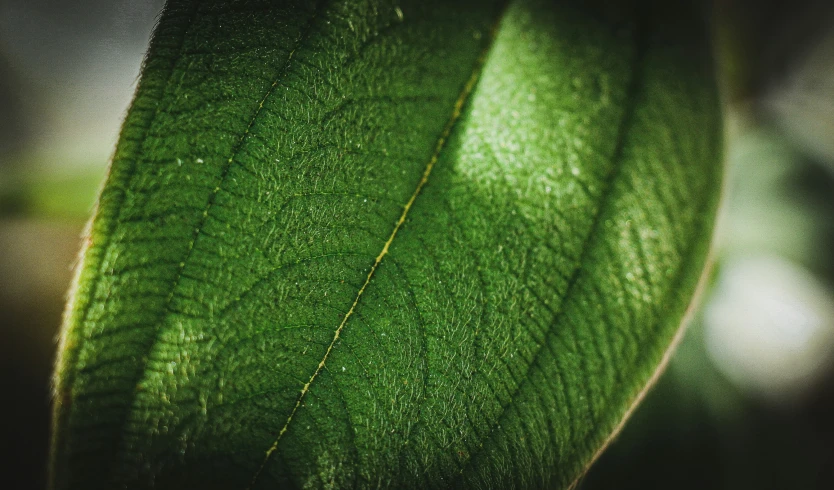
{"points": [[441, 142]]}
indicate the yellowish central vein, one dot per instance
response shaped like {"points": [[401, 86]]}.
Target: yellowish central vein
{"points": [[441, 142]]}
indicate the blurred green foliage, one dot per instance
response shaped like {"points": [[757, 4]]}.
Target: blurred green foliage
{"points": [[56, 194]]}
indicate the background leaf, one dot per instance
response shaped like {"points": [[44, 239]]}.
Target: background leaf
{"points": [[370, 244]]}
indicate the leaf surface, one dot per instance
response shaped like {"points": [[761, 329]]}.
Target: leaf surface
{"points": [[377, 244]]}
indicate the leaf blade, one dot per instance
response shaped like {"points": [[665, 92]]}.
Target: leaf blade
{"points": [[412, 391]]}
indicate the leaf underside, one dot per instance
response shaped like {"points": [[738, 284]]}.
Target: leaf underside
{"points": [[375, 244]]}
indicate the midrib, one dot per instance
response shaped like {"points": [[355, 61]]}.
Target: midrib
{"points": [[439, 146]]}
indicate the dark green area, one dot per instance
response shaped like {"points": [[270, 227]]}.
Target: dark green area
{"points": [[247, 286], [696, 430]]}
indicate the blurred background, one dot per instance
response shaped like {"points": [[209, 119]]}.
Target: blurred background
{"points": [[746, 402]]}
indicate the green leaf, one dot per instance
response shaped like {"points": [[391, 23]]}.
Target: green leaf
{"points": [[378, 244]]}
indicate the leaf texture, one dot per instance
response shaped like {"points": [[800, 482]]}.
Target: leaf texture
{"points": [[387, 244]]}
